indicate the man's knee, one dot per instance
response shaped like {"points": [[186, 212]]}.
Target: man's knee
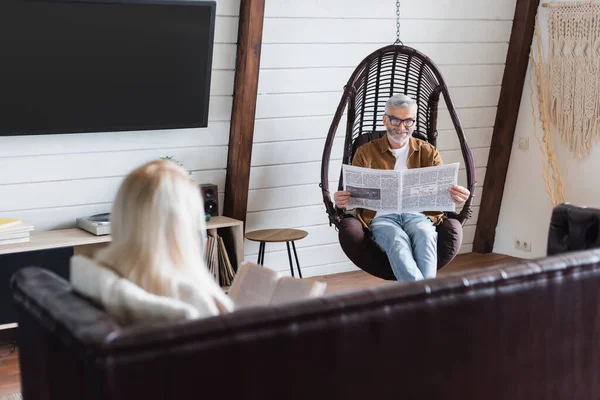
{"points": [[392, 241], [424, 229]]}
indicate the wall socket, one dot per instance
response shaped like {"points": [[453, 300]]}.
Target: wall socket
{"points": [[523, 244], [524, 143]]}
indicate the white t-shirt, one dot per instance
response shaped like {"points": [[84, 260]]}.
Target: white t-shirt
{"points": [[401, 155]]}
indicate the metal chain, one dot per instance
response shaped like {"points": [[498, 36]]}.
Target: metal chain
{"points": [[398, 41]]}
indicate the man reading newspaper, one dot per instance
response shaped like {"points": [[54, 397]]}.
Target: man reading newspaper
{"points": [[410, 238]]}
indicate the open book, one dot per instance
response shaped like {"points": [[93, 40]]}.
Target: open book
{"points": [[255, 285]]}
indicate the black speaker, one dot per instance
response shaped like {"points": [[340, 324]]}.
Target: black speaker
{"points": [[210, 196]]}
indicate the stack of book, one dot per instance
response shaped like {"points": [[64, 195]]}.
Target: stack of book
{"points": [[14, 231], [218, 261]]}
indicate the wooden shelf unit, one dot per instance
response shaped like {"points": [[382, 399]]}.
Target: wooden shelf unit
{"points": [[86, 243]]}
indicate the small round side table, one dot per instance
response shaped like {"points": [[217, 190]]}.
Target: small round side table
{"points": [[277, 236]]}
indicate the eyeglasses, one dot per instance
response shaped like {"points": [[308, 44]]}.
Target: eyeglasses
{"points": [[409, 122]]}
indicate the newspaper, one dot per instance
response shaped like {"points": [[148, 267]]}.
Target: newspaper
{"points": [[389, 191]]}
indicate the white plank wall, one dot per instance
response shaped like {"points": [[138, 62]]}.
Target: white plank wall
{"points": [[310, 48], [50, 180]]}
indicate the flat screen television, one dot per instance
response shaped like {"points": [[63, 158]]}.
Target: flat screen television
{"points": [[74, 66]]}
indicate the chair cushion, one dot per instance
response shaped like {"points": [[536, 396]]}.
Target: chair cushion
{"points": [[362, 250], [450, 237], [364, 253]]}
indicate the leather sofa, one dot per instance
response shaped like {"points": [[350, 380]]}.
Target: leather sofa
{"points": [[528, 330]]}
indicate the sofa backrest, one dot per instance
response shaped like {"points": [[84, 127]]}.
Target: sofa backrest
{"points": [[525, 330]]}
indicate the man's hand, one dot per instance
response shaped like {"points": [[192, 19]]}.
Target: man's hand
{"points": [[459, 194], [341, 199]]}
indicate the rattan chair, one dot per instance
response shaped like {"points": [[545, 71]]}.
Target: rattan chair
{"points": [[390, 70]]}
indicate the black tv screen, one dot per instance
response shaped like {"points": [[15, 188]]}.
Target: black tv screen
{"points": [[70, 66]]}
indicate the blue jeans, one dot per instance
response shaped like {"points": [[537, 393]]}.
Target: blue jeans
{"points": [[410, 242]]}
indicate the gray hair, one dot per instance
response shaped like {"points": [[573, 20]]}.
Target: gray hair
{"points": [[399, 101]]}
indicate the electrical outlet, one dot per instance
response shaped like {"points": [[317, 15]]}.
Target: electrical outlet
{"points": [[523, 244], [524, 143]]}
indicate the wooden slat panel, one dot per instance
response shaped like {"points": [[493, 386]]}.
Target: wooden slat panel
{"points": [[77, 192], [226, 29], [311, 127], [479, 176], [296, 105], [93, 165], [228, 7], [303, 80], [287, 218], [299, 128], [469, 234], [480, 157], [478, 191], [478, 137], [64, 217], [435, 9], [293, 152], [341, 55], [481, 117], [221, 83], [217, 134], [58, 218], [285, 197], [220, 108], [224, 56], [473, 219], [481, 96], [291, 174], [325, 30], [472, 75], [307, 104]]}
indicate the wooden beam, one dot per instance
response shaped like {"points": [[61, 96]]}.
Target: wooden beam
{"points": [[513, 82], [243, 113]]}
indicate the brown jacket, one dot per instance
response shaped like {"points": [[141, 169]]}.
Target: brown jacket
{"points": [[376, 155]]}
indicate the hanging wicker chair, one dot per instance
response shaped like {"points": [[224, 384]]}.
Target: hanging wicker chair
{"points": [[390, 70]]}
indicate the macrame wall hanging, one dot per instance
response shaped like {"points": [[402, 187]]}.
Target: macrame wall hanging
{"points": [[574, 68], [567, 85]]}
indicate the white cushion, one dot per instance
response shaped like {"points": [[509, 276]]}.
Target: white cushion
{"points": [[122, 298]]}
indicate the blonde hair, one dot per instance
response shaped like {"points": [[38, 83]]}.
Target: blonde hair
{"points": [[158, 232]]}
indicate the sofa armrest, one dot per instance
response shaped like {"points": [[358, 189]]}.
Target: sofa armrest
{"points": [[573, 228]]}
